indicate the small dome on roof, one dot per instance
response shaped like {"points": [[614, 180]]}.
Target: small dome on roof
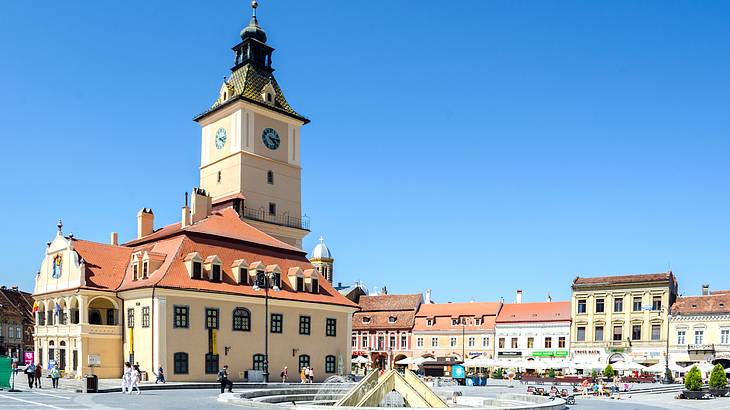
{"points": [[321, 251], [253, 30]]}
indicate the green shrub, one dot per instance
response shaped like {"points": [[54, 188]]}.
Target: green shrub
{"points": [[551, 373], [718, 380], [693, 379], [608, 371], [594, 374], [498, 373]]}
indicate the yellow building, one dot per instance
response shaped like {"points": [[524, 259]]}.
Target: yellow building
{"points": [[621, 318], [193, 295], [700, 329]]}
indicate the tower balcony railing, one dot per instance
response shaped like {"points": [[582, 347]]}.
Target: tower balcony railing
{"points": [[282, 220]]}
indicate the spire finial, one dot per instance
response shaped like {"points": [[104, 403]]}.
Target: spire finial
{"points": [[321, 239], [59, 225], [254, 6]]}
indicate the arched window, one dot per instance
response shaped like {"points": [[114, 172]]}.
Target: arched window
{"points": [[94, 317], [181, 363], [258, 361], [270, 177], [241, 319], [303, 361], [329, 364]]}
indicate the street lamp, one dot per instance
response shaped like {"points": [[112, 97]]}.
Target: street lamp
{"points": [[668, 379], [266, 281]]}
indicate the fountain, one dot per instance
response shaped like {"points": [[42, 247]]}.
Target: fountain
{"points": [[332, 388]]}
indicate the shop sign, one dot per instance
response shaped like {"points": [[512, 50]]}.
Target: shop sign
{"points": [[587, 352], [550, 353], [510, 354]]}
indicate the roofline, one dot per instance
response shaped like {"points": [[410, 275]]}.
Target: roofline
{"points": [[235, 98]]}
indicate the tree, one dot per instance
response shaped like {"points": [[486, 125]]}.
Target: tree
{"points": [[608, 371], [551, 373], [718, 380], [693, 379], [594, 375]]}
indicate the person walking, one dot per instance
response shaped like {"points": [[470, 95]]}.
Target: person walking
{"points": [[55, 375], [303, 375], [135, 379], [306, 374], [38, 375], [311, 375], [160, 375], [30, 372], [225, 382], [284, 374], [126, 377]]}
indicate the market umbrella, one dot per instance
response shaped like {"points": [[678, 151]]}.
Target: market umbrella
{"points": [[360, 360], [405, 361], [421, 360], [635, 366], [656, 368], [587, 366]]}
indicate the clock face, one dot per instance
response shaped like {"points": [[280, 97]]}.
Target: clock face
{"points": [[271, 138], [220, 138]]}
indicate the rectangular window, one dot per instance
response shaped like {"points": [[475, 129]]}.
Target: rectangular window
{"points": [[656, 303], [197, 270], [300, 284], [699, 337], [135, 272], [391, 342], [331, 327], [216, 273], [514, 343], [548, 342], [581, 306], [304, 325], [618, 305], [181, 363], [485, 341], [501, 343], [530, 342], [618, 334], [454, 322], [329, 364], [258, 361], [600, 308], [636, 332], [111, 317], [277, 323], [452, 342], [181, 317], [146, 316], [429, 322], [211, 363], [403, 342], [561, 342], [272, 208], [434, 342], [637, 304], [725, 336], [18, 333], [241, 319], [303, 361], [419, 342], [211, 318], [145, 270], [130, 318], [365, 339], [656, 332], [354, 342], [580, 334], [472, 341], [243, 276], [681, 337], [599, 333]]}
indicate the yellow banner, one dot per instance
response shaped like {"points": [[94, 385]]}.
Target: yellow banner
{"points": [[131, 340], [214, 341]]}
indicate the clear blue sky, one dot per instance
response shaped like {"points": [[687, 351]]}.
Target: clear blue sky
{"points": [[474, 147]]}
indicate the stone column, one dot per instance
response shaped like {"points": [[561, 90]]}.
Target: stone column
{"points": [[83, 312]]}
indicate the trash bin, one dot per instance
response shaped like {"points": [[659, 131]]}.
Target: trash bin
{"points": [[92, 384]]}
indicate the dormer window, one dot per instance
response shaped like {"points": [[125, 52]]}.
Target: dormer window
{"points": [[276, 279], [454, 322], [135, 271], [430, 322], [243, 276], [213, 267], [315, 285], [216, 274], [268, 94], [300, 284], [239, 269], [260, 278], [268, 98], [477, 322], [392, 319], [366, 319], [197, 270], [145, 270]]}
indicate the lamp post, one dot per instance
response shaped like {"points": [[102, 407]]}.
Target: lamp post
{"points": [[266, 281], [668, 379]]}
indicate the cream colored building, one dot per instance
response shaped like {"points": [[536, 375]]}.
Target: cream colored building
{"points": [[700, 329], [621, 318], [189, 296]]}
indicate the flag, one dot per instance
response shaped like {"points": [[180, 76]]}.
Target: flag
{"points": [[214, 342], [131, 340], [35, 307], [58, 309]]}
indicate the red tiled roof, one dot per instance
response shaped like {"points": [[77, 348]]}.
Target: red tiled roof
{"points": [[719, 292], [105, 264], [442, 313], [390, 302], [624, 279], [381, 320], [706, 304], [534, 312]]}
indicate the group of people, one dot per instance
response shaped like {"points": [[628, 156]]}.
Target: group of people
{"points": [[307, 375], [35, 372], [131, 378], [600, 388]]}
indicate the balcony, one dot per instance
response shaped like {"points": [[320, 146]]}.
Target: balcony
{"points": [[281, 220]]}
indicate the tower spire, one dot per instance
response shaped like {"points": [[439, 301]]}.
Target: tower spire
{"points": [[254, 6]]}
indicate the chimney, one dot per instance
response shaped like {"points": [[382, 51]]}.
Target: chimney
{"points": [[549, 298], [705, 289], [115, 239], [145, 222], [202, 205], [185, 217], [428, 297], [14, 287], [519, 296]]}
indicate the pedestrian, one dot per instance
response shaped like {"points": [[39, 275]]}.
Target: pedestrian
{"points": [[311, 375], [38, 375], [30, 372], [284, 374], [135, 379], [306, 375], [55, 375], [303, 375], [126, 377], [160, 375], [225, 382]]}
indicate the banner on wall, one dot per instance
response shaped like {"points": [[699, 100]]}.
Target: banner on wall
{"points": [[131, 340], [214, 341], [28, 358]]}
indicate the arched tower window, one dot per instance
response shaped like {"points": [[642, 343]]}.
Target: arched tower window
{"points": [[270, 177]]}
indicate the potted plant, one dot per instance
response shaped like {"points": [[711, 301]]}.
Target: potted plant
{"points": [[551, 373], [718, 381], [608, 372], [693, 384]]}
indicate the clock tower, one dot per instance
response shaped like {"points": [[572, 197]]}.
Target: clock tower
{"points": [[250, 150]]}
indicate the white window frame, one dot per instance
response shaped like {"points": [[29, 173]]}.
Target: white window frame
{"points": [[452, 342], [419, 341], [434, 342]]}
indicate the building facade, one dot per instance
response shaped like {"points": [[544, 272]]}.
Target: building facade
{"points": [[382, 329], [193, 295], [16, 322], [538, 331], [455, 330], [621, 318], [700, 329]]}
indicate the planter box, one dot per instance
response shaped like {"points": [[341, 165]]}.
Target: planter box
{"points": [[719, 392], [696, 395]]}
